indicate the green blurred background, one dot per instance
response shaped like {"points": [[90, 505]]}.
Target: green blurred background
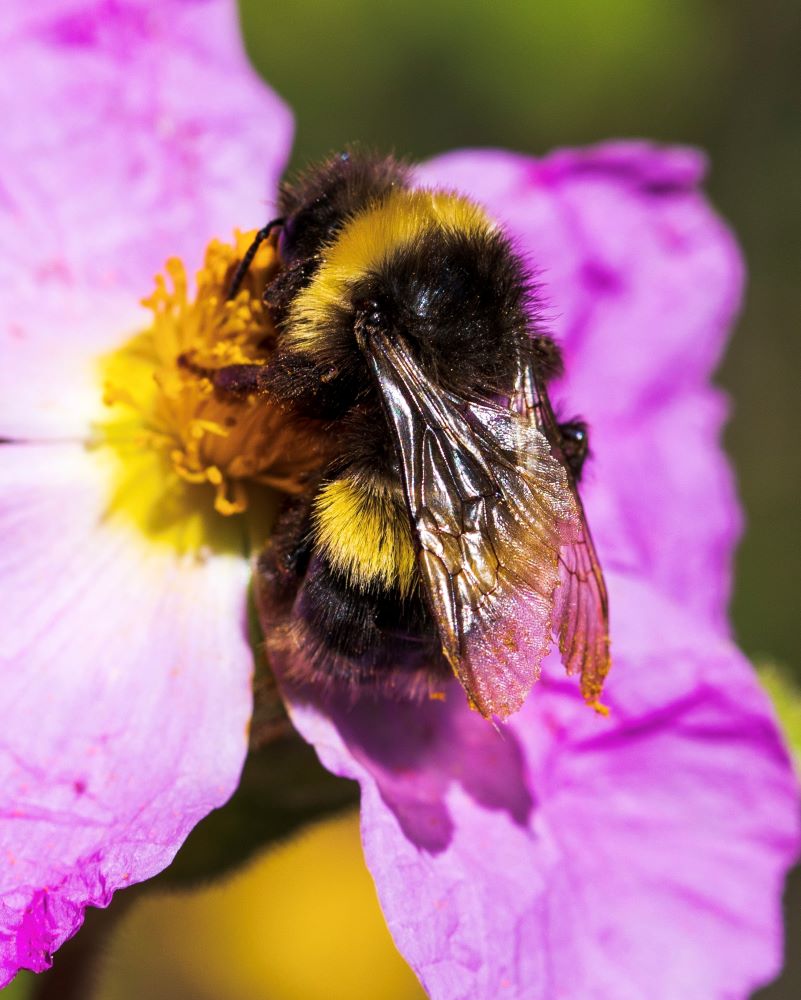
{"points": [[425, 76]]}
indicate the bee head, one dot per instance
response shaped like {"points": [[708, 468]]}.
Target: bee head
{"points": [[319, 202]]}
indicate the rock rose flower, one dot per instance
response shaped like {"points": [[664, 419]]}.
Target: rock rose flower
{"points": [[568, 856]]}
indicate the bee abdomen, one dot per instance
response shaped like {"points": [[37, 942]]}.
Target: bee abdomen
{"points": [[321, 626]]}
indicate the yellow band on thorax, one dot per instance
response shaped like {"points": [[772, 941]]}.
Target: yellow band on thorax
{"points": [[364, 245]]}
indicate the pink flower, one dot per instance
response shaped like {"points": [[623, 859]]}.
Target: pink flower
{"points": [[570, 856]]}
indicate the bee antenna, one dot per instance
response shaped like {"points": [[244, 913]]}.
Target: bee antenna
{"points": [[247, 260]]}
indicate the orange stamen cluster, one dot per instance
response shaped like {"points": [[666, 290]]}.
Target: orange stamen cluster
{"points": [[161, 385]]}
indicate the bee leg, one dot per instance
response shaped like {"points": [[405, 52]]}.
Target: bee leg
{"points": [[231, 380], [575, 445], [240, 380]]}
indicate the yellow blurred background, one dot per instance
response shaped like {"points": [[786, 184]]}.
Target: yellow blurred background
{"points": [[301, 922]]}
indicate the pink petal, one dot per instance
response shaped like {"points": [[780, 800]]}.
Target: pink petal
{"points": [[124, 694], [662, 501], [576, 857], [640, 282], [131, 132]]}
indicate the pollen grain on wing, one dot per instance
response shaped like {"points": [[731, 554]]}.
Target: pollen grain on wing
{"points": [[185, 449]]}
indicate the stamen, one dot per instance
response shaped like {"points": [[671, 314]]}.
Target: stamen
{"points": [[167, 389]]}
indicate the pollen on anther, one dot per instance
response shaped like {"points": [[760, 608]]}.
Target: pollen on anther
{"points": [[160, 396]]}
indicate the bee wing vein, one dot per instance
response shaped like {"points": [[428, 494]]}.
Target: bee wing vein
{"points": [[492, 509]]}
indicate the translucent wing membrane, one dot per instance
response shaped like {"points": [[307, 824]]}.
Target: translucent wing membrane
{"points": [[493, 511], [581, 614], [581, 617]]}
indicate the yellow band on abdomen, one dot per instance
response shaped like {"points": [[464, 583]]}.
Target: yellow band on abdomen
{"points": [[363, 530]]}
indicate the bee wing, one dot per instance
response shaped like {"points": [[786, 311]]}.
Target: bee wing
{"points": [[582, 605], [493, 510]]}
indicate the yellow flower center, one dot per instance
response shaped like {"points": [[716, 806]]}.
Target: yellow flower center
{"points": [[185, 448]]}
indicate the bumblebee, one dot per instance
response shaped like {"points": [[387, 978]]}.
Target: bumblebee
{"points": [[444, 533]]}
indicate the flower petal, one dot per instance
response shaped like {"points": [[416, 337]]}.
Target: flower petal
{"points": [[145, 135], [639, 283], [662, 503], [125, 697], [578, 857]]}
